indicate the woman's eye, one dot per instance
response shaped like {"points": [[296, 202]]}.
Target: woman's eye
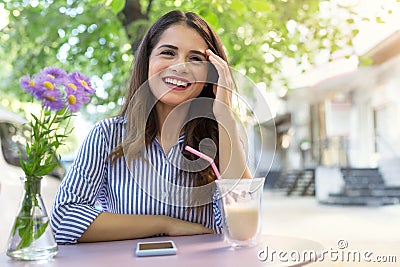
{"points": [[167, 52], [196, 58]]}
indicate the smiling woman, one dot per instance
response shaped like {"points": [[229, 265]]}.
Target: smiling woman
{"points": [[176, 69], [134, 164]]}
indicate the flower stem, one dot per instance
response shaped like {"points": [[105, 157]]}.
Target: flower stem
{"points": [[27, 221]]}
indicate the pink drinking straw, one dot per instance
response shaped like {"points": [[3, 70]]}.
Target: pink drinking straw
{"points": [[203, 156], [211, 161]]}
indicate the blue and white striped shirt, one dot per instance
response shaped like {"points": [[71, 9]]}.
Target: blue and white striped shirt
{"points": [[153, 186]]}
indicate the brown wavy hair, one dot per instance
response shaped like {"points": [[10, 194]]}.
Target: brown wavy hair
{"points": [[142, 120]]}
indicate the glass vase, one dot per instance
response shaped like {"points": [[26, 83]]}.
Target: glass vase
{"points": [[31, 236]]}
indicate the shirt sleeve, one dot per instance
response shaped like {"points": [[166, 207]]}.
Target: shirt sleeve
{"points": [[74, 205], [217, 210]]}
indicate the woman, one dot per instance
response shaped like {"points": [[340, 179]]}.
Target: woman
{"points": [[132, 164]]}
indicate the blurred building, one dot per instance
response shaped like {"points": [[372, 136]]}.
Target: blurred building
{"points": [[344, 132], [339, 138]]}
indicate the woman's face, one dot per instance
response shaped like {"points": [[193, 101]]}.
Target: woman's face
{"points": [[177, 67]]}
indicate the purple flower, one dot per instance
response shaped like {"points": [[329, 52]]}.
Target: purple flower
{"points": [[74, 97], [45, 80], [52, 100], [80, 80], [52, 85], [43, 85], [57, 91], [32, 86], [27, 84], [54, 74]]}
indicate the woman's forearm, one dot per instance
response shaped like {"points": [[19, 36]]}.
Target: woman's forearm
{"points": [[110, 226]]}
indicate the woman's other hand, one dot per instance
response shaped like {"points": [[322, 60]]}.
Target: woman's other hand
{"points": [[176, 227]]}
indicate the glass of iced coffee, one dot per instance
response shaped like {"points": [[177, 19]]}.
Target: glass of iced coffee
{"points": [[242, 215]]}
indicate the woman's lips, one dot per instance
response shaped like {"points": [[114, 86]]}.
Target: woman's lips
{"points": [[176, 83]]}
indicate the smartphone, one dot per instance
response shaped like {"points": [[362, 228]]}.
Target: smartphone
{"points": [[158, 248]]}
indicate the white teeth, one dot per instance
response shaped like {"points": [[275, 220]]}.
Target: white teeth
{"points": [[176, 82]]}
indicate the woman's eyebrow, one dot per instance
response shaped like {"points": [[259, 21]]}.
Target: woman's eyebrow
{"points": [[176, 48], [167, 46]]}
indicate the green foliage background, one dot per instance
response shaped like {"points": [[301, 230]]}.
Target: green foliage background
{"points": [[98, 37]]}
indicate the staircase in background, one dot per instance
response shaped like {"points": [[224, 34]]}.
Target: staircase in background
{"points": [[292, 183], [364, 186]]}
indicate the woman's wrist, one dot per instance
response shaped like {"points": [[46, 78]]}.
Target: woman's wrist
{"points": [[162, 223], [226, 117]]}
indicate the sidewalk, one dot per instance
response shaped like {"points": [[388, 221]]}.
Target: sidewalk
{"points": [[365, 229]]}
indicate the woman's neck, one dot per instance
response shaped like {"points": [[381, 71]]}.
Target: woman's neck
{"points": [[170, 121]]}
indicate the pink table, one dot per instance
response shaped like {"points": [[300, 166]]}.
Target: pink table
{"points": [[193, 251]]}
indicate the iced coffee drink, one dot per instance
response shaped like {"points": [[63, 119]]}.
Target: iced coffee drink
{"points": [[241, 202], [242, 220]]}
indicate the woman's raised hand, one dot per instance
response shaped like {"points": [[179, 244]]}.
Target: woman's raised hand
{"points": [[224, 86]]}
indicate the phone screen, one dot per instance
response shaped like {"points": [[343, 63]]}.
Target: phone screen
{"points": [[160, 245]]}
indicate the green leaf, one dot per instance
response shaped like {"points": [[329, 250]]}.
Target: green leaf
{"points": [[41, 230], [238, 6], [25, 231], [28, 229], [46, 120], [35, 118], [117, 5], [260, 6], [43, 170], [209, 16]]}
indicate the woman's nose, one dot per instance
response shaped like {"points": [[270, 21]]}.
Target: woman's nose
{"points": [[181, 65]]}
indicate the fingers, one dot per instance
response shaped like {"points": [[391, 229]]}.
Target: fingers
{"points": [[208, 231], [222, 68], [202, 230], [180, 227], [214, 58], [223, 88], [197, 228]]}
